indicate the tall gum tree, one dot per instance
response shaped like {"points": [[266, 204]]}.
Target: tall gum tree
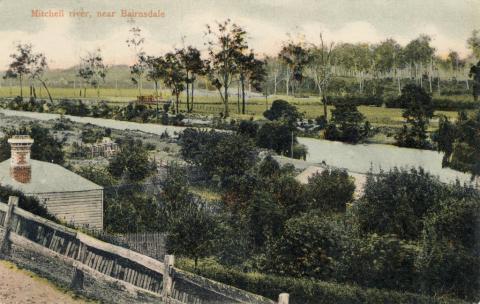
{"points": [[296, 57], [225, 41], [174, 76], [252, 71], [419, 55], [139, 68], [320, 69], [93, 70], [19, 67], [194, 65], [27, 63]]}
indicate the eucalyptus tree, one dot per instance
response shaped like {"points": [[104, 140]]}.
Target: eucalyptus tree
{"points": [[155, 71], [194, 65], [387, 56], [174, 76], [453, 60], [473, 43], [363, 62], [37, 67], [19, 67], [320, 69], [457, 67], [274, 69], [93, 70], [355, 59], [225, 41], [296, 57], [28, 64], [250, 70], [419, 54], [345, 59], [140, 67]]}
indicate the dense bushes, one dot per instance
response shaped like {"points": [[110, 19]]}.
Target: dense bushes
{"points": [[380, 261], [347, 124], [451, 247], [284, 111], [27, 203], [418, 110], [376, 101], [460, 142], [402, 234], [330, 190], [276, 136], [131, 112], [439, 104], [132, 162], [307, 291], [396, 202], [309, 247], [224, 155]]}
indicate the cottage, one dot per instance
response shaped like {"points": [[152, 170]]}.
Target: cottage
{"points": [[68, 196]]}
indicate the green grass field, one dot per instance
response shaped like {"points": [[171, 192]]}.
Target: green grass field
{"points": [[311, 106]]}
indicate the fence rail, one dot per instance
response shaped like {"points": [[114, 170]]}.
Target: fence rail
{"points": [[151, 244], [108, 262]]}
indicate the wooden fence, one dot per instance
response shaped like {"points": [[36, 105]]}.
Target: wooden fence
{"points": [[108, 262], [151, 244]]}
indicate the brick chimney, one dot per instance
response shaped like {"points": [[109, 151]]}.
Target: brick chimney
{"points": [[20, 168]]}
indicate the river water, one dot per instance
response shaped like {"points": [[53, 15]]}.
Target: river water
{"points": [[360, 158]]}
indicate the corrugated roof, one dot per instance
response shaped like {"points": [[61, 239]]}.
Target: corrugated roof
{"points": [[47, 178], [359, 179]]}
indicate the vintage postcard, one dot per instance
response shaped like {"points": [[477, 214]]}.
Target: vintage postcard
{"points": [[250, 151]]}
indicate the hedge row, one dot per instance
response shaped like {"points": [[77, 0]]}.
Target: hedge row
{"points": [[357, 100], [306, 291], [440, 104]]}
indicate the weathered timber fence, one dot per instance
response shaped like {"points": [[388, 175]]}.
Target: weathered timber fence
{"points": [[152, 244], [106, 271]]}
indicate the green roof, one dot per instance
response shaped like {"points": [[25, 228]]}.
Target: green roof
{"points": [[47, 178]]}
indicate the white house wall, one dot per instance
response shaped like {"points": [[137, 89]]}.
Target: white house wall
{"points": [[81, 208]]}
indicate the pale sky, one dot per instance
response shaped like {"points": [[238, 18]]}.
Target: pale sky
{"points": [[64, 40]]}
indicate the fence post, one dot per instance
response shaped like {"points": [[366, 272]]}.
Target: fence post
{"points": [[283, 298], [5, 243], [77, 279], [168, 263]]}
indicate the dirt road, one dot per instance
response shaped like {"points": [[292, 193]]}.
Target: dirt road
{"points": [[20, 287]]}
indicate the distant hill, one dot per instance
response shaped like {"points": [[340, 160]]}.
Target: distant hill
{"points": [[118, 75]]}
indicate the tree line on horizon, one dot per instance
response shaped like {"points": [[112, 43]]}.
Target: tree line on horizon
{"points": [[299, 66]]}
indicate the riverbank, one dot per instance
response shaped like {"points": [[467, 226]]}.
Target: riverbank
{"points": [[360, 158]]}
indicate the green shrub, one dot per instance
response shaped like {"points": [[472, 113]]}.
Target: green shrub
{"points": [[306, 291], [330, 190], [396, 202], [308, 247]]}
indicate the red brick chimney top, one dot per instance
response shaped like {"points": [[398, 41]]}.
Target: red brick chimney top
{"points": [[20, 168]]}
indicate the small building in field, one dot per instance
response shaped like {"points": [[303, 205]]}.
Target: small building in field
{"points": [[358, 178], [70, 197]]}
